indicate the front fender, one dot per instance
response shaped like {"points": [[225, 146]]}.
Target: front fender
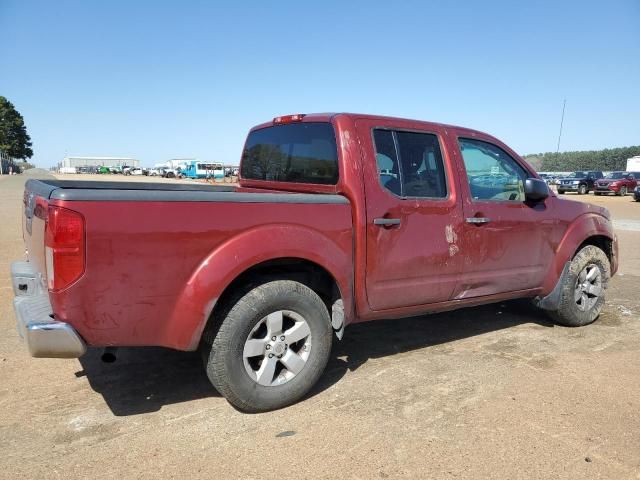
{"points": [[241, 252], [585, 226]]}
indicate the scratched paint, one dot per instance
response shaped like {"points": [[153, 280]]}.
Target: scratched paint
{"points": [[452, 238]]}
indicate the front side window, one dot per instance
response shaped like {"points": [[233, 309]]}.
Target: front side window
{"points": [[492, 173], [298, 152], [410, 163]]}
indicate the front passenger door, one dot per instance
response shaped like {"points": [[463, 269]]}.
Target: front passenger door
{"points": [[503, 242]]}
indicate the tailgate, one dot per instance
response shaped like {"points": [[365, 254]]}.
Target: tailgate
{"points": [[35, 203]]}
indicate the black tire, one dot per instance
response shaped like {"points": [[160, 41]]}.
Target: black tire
{"points": [[224, 340], [569, 313], [560, 192], [623, 191], [582, 190], [171, 175]]}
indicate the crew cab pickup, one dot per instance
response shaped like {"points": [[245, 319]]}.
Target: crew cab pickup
{"points": [[338, 219], [619, 183]]}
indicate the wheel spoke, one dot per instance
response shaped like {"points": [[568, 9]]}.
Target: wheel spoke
{"points": [[584, 301], [274, 323], [296, 333], [292, 361], [267, 369], [254, 347], [592, 274], [583, 276], [577, 293], [593, 289]]}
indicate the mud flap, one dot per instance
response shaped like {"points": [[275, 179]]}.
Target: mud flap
{"points": [[337, 318], [552, 301]]}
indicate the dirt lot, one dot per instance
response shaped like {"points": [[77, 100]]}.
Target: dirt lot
{"points": [[490, 392]]}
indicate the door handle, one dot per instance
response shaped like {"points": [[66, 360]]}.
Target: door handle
{"points": [[386, 222], [478, 220]]}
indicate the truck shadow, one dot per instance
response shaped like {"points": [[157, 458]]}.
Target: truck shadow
{"points": [[384, 338], [143, 380]]}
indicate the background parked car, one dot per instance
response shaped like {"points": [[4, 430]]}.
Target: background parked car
{"points": [[579, 182], [168, 172], [136, 171], [619, 183]]}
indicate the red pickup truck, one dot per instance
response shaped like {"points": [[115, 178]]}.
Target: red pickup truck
{"points": [[338, 219]]}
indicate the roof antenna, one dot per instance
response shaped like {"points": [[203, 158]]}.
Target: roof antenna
{"points": [[564, 104]]}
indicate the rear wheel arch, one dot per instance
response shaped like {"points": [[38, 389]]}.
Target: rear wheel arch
{"points": [[311, 274]]}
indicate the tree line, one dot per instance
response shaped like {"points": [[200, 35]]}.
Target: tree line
{"points": [[608, 159]]}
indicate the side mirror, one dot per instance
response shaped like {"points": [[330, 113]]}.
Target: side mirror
{"points": [[535, 189]]}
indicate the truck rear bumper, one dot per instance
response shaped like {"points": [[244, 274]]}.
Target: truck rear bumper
{"points": [[45, 337]]}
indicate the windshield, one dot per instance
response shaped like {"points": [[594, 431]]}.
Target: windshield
{"points": [[297, 152], [577, 175], [616, 175]]}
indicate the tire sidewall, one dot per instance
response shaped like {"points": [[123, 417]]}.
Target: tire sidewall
{"points": [[245, 315], [569, 313]]}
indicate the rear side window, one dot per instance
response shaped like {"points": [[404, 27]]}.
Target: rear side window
{"points": [[298, 152], [410, 163]]}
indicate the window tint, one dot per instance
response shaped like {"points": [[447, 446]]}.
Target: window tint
{"points": [[492, 173], [299, 152], [419, 170]]}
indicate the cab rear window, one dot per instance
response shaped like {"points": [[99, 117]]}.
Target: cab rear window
{"points": [[297, 153]]}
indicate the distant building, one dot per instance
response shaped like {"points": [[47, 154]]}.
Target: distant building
{"points": [[76, 162]]}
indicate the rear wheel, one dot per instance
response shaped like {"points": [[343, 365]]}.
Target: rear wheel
{"points": [[270, 348], [583, 288]]}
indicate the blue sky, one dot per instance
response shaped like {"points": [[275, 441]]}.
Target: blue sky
{"points": [[158, 80]]}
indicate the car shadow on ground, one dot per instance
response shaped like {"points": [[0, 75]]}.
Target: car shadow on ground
{"points": [[143, 380]]}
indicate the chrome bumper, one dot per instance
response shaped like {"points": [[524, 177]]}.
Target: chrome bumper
{"points": [[45, 337]]}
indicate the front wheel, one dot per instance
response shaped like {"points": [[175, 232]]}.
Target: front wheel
{"points": [[270, 348], [623, 191], [582, 190], [560, 192], [583, 288]]}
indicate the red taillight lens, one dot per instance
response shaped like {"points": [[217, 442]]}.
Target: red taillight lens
{"points": [[289, 118], [64, 247]]}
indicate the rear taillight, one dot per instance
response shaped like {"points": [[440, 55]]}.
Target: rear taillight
{"points": [[64, 247]]}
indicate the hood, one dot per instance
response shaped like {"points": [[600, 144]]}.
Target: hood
{"points": [[571, 179]]}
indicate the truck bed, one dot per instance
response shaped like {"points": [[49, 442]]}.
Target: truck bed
{"points": [[157, 254]]}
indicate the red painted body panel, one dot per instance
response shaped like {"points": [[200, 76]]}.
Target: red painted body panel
{"points": [[154, 270]]}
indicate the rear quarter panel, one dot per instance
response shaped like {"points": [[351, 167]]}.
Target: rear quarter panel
{"points": [[155, 269]]}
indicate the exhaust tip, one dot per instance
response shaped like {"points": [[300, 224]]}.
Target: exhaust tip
{"points": [[109, 355]]}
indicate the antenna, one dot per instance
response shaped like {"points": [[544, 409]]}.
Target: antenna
{"points": [[564, 104]]}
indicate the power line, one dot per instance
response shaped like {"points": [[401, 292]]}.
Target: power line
{"points": [[564, 104]]}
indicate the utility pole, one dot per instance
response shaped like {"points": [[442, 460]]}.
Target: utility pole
{"points": [[564, 104]]}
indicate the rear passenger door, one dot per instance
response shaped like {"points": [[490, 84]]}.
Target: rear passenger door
{"points": [[413, 215]]}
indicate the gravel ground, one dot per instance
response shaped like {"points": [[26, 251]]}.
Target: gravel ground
{"points": [[490, 392]]}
